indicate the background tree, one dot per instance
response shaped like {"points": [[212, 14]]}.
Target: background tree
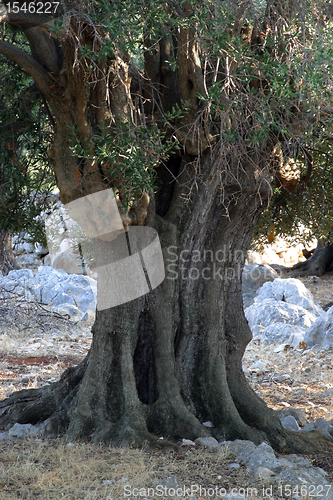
{"points": [[302, 201], [26, 177], [234, 85]]}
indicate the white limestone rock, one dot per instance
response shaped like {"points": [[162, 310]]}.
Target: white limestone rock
{"points": [[47, 260], [281, 312], [253, 277], [23, 247], [39, 250], [29, 260], [321, 331], [187, 442], [299, 415], [263, 472], [291, 291], [262, 456], [289, 422], [274, 321], [321, 425]]}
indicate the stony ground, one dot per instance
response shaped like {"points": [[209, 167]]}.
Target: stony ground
{"points": [[36, 345]]}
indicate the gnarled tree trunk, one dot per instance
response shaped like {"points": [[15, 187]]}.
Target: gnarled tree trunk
{"points": [[164, 363]]}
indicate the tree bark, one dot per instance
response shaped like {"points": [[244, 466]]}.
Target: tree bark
{"points": [[7, 257]]}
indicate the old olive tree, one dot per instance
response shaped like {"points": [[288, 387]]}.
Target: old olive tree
{"points": [[184, 110]]}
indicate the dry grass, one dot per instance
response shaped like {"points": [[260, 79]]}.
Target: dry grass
{"points": [[52, 470], [45, 470]]}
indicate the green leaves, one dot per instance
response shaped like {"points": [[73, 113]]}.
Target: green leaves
{"points": [[128, 156], [26, 177]]}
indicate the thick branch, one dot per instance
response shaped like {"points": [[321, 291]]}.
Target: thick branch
{"points": [[191, 83], [43, 49], [239, 18], [23, 19], [28, 63]]}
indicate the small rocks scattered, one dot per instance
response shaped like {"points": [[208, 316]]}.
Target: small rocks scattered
{"points": [[281, 314], [208, 424]]}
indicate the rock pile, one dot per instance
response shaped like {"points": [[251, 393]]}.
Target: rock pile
{"points": [[66, 293], [254, 276], [282, 309], [289, 476], [321, 331], [27, 254]]}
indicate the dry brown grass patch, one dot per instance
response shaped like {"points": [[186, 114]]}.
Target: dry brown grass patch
{"points": [[52, 470]]}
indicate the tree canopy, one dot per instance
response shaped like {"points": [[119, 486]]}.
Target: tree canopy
{"points": [[258, 84]]}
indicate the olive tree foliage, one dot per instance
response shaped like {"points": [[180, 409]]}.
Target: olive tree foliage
{"points": [[188, 111], [303, 210], [301, 205], [302, 197], [26, 178]]}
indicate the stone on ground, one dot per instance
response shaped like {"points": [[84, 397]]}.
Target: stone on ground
{"points": [[282, 311]]}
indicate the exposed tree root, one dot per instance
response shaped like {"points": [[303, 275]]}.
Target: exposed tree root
{"points": [[50, 403], [320, 262], [36, 405]]}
